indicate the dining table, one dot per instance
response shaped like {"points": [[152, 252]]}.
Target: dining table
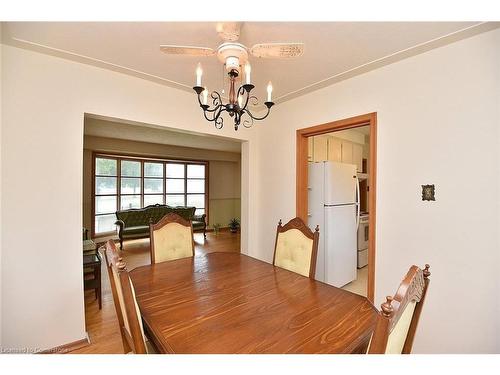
{"points": [[233, 303]]}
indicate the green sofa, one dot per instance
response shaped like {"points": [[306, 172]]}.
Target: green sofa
{"points": [[134, 223]]}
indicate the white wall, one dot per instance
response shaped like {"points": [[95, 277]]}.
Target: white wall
{"points": [[438, 123], [224, 192], [41, 191]]}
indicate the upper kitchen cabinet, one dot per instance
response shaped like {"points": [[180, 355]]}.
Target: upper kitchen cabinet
{"points": [[320, 147], [310, 149], [357, 156], [328, 148], [347, 152], [334, 149]]}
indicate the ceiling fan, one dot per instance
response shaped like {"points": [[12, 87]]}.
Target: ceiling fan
{"points": [[234, 54]]}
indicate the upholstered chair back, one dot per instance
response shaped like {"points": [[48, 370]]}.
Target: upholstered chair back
{"points": [[296, 247], [399, 315], [127, 309], [171, 238]]}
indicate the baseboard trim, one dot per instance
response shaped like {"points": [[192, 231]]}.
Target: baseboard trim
{"points": [[66, 348]]}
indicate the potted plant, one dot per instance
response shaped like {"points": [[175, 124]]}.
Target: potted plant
{"points": [[234, 224], [217, 228]]}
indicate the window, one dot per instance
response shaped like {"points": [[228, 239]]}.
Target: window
{"points": [[126, 182], [106, 194]]}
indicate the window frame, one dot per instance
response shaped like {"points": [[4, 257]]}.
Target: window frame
{"points": [[119, 157], [94, 195]]}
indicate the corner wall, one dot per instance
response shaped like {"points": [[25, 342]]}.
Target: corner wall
{"points": [[438, 123], [42, 301]]}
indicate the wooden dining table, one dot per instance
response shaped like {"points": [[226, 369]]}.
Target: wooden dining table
{"points": [[233, 303]]}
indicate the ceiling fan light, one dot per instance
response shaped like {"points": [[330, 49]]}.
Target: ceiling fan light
{"points": [[232, 63]]}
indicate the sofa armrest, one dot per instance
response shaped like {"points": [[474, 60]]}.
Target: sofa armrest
{"points": [[121, 225], [200, 218]]}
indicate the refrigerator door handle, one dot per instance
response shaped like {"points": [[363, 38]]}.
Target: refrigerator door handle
{"points": [[358, 204]]}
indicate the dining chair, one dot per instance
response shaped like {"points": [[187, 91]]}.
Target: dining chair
{"points": [[296, 247], [398, 319], [171, 238], [129, 316]]}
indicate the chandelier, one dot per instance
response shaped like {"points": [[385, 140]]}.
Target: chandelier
{"points": [[234, 56], [238, 99]]}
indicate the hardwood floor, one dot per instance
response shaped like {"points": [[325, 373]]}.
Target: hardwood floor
{"points": [[102, 325]]}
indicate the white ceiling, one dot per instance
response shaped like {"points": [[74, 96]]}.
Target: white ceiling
{"points": [[127, 130], [333, 50]]}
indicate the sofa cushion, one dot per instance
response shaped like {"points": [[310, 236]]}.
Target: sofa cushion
{"points": [[133, 218], [198, 225], [139, 229]]}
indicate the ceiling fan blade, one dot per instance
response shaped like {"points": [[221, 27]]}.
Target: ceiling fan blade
{"points": [[187, 50], [229, 31], [277, 50]]}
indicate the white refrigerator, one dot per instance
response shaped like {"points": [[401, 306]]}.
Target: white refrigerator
{"points": [[333, 204]]}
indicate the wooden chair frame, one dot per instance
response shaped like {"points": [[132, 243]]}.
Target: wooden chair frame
{"points": [[297, 223], [168, 219], [412, 288], [135, 340]]}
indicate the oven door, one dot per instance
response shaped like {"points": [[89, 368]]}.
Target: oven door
{"points": [[363, 234]]}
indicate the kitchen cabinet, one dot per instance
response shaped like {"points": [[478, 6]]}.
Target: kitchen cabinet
{"points": [[310, 149], [347, 152], [334, 149], [320, 146], [323, 148], [357, 156]]}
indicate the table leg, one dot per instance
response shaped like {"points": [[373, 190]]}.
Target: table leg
{"points": [[95, 278], [99, 290]]}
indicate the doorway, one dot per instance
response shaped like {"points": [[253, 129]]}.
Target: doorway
{"points": [[304, 144]]}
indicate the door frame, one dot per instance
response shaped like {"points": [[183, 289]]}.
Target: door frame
{"points": [[369, 119]]}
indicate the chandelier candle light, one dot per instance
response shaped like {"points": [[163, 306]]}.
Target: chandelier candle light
{"points": [[237, 107]]}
